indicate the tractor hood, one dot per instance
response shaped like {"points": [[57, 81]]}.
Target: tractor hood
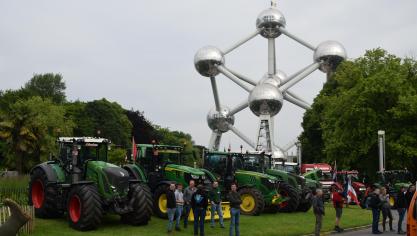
{"points": [[257, 174], [111, 177], [185, 169]]}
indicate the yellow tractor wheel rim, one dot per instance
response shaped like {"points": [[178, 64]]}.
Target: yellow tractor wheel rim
{"points": [[162, 203], [391, 201], [248, 203]]}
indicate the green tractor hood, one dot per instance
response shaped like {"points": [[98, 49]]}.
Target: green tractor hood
{"points": [[185, 169]]}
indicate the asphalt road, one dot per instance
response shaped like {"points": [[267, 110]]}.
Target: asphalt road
{"points": [[368, 231]]}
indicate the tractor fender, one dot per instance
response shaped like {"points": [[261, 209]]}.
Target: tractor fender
{"points": [[47, 169], [165, 182], [245, 186], [134, 171]]}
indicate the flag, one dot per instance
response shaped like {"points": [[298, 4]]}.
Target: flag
{"points": [[350, 192], [335, 171], [134, 150]]}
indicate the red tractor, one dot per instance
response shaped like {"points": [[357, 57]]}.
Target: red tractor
{"points": [[359, 187]]}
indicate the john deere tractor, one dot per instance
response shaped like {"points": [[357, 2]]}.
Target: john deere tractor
{"points": [[394, 180], [160, 165], [259, 191], [84, 185]]}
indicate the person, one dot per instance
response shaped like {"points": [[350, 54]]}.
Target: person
{"points": [[216, 200], [171, 206], [410, 194], [386, 209], [401, 205], [338, 201], [188, 193], [199, 203], [375, 205], [235, 201], [318, 210], [179, 203]]}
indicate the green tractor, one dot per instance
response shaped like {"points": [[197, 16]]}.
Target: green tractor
{"points": [[292, 186], [259, 191], [160, 165], [394, 180], [84, 185]]}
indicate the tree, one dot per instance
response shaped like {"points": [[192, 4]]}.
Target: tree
{"points": [[142, 130], [375, 92], [47, 86], [29, 130]]}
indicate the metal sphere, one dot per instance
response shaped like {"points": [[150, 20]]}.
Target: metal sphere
{"points": [[219, 121], [275, 80], [206, 59], [265, 99], [269, 22], [332, 53]]}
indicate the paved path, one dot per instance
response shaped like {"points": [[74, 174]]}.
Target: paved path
{"points": [[368, 231]]}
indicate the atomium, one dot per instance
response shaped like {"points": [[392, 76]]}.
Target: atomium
{"points": [[265, 96]]}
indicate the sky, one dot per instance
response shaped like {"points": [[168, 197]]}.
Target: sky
{"points": [[140, 53]]}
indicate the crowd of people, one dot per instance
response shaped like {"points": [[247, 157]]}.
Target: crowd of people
{"points": [[180, 202], [378, 201]]}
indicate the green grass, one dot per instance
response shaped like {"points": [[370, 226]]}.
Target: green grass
{"points": [[264, 225]]}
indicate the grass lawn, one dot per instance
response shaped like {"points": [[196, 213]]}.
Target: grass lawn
{"points": [[264, 225]]}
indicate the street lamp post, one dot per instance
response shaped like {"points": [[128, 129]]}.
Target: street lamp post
{"points": [[381, 145]]}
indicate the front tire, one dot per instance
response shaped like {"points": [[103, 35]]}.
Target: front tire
{"points": [[253, 202], [305, 200], [84, 207], [291, 193], [142, 208], [160, 201]]}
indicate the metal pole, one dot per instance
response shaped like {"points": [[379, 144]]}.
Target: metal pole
{"points": [[239, 43], [301, 76], [215, 141], [242, 136], [297, 97], [299, 154], [296, 102], [299, 40], [231, 76], [381, 141], [215, 93], [242, 77], [271, 57], [284, 81], [239, 108]]}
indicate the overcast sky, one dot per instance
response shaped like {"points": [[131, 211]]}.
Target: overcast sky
{"points": [[140, 53]]}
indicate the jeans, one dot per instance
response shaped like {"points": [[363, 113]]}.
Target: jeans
{"points": [[401, 213], [186, 210], [178, 215], [234, 221], [319, 220], [375, 220], [199, 216], [386, 213], [216, 208], [171, 214]]}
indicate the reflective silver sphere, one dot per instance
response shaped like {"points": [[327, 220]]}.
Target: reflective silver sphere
{"points": [[219, 121], [332, 53], [275, 80], [265, 99], [206, 59], [269, 22]]}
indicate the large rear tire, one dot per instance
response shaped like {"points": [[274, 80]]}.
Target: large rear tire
{"points": [[84, 207], [160, 201], [43, 196], [305, 200], [142, 208], [253, 202], [291, 193]]}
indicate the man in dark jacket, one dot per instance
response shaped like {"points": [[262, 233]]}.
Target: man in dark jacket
{"points": [[235, 201], [199, 203], [216, 206], [318, 209], [171, 206], [401, 205], [188, 193], [375, 205]]}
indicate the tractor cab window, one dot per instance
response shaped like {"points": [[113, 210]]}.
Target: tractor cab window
{"points": [[215, 163], [92, 151], [326, 176], [253, 163], [169, 156]]}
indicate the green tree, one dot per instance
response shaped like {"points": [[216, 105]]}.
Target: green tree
{"points": [[47, 86], [117, 155]]}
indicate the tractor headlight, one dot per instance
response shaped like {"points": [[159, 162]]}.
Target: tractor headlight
{"points": [[195, 176], [362, 189], [203, 177], [272, 181]]}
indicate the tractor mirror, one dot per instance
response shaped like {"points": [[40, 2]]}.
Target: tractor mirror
{"points": [[108, 148]]}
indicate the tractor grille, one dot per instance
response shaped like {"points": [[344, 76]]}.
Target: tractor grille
{"points": [[268, 184], [118, 179]]}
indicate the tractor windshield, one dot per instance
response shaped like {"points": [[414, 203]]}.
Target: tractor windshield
{"points": [[215, 163], [326, 176], [255, 163], [169, 156], [86, 151]]}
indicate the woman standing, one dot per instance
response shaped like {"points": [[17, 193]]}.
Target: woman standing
{"points": [[386, 209]]}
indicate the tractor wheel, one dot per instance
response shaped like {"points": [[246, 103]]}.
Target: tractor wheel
{"points": [[253, 202], [142, 208], [43, 196], [160, 201], [149, 199], [288, 191], [305, 200], [84, 207]]}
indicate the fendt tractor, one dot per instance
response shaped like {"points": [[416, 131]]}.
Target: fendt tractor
{"points": [[291, 186], [81, 183], [259, 191], [160, 165]]}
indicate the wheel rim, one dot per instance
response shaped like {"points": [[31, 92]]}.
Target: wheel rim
{"points": [[285, 203], [37, 193], [248, 203], [75, 208], [162, 203]]}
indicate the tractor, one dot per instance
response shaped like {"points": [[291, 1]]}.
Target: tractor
{"points": [[393, 180], [292, 186], [161, 165], [81, 183], [325, 176], [343, 176], [259, 191]]}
